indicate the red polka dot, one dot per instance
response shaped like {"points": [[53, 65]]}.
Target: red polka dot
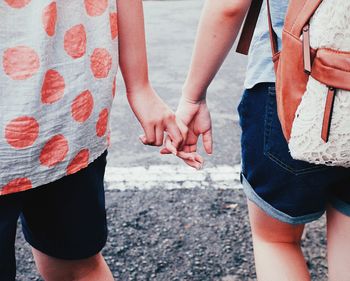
{"points": [[95, 7], [22, 132], [101, 63], [75, 41], [114, 86], [113, 20], [101, 126], [16, 185], [54, 151], [20, 62], [50, 18], [17, 3], [80, 161], [53, 87], [82, 106]]}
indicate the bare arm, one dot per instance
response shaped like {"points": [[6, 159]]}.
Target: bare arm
{"points": [[132, 44], [153, 114], [218, 28]]}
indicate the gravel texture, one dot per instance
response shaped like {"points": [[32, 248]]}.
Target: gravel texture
{"points": [[198, 234]]}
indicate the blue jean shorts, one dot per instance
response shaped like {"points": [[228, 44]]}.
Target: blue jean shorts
{"points": [[289, 190], [65, 219]]}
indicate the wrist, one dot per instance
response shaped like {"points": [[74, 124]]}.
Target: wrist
{"points": [[192, 94], [190, 101], [144, 87]]}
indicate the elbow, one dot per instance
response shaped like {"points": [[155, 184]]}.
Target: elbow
{"points": [[234, 8]]}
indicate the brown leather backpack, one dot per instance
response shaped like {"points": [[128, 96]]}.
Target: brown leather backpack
{"points": [[297, 60]]}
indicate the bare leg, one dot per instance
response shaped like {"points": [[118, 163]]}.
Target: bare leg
{"points": [[338, 236], [277, 250], [52, 269]]}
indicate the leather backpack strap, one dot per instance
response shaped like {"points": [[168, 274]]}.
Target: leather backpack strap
{"points": [[273, 35], [249, 27]]}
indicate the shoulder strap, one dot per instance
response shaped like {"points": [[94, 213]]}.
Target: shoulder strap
{"points": [[273, 35], [249, 27]]}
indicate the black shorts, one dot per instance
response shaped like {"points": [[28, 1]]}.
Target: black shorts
{"points": [[65, 219]]}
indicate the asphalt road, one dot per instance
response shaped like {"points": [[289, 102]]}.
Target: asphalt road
{"points": [[199, 230]]}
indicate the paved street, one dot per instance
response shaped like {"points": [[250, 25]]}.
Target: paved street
{"points": [[168, 222]]}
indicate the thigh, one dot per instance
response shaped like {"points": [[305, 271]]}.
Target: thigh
{"points": [[281, 243], [53, 269], [269, 229], [10, 208], [67, 219], [338, 236]]}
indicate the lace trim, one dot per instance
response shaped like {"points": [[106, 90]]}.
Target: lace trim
{"points": [[329, 28]]}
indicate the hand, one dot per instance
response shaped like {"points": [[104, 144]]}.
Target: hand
{"points": [[196, 116], [155, 118]]}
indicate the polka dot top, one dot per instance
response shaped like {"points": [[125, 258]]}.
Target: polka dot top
{"points": [[58, 62]]}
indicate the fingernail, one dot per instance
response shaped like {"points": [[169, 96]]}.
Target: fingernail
{"points": [[199, 167]]}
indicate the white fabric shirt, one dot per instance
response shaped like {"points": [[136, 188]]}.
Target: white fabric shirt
{"points": [[260, 66], [58, 62]]}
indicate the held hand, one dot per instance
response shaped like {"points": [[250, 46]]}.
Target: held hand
{"points": [[155, 118], [196, 116]]}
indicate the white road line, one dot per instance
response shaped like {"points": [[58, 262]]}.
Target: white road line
{"points": [[172, 177]]}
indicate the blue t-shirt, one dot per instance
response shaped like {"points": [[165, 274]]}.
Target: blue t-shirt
{"points": [[260, 66]]}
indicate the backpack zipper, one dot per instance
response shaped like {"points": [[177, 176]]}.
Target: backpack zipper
{"points": [[328, 111]]}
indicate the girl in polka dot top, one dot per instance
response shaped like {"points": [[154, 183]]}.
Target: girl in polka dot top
{"points": [[57, 81], [58, 62]]}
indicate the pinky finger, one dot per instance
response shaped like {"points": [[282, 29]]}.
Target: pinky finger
{"points": [[208, 142], [192, 159], [169, 145], [143, 139], [164, 150], [193, 164]]}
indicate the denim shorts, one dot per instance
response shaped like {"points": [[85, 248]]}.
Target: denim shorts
{"points": [[65, 219], [289, 190]]}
